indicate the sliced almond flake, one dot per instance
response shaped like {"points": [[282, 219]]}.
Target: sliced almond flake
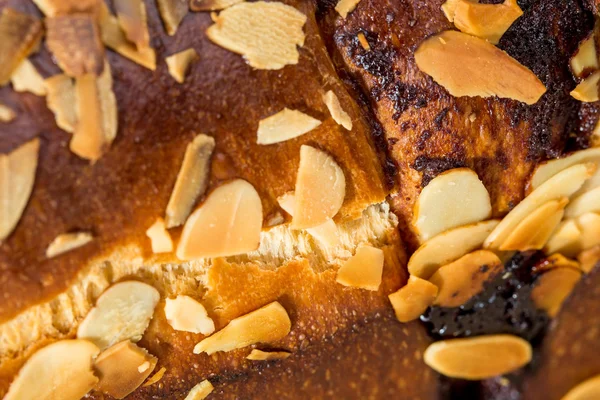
{"points": [[587, 89], [363, 270], [449, 7], [589, 224], [172, 13], [265, 325], [159, 237], [475, 67], [586, 390], [19, 35], [74, 40], [179, 63], [265, 33], [156, 377], [61, 101], [26, 78], [363, 41], [335, 109], [61, 370], [413, 299], [131, 15], [212, 5], [66, 242], [192, 180], [17, 175], [345, 7], [52, 8], [586, 202], [550, 168], [553, 287], [7, 114], [184, 313], [284, 125], [200, 391], [589, 258], [585, 59], [259, 355], [487, 21], [557, 260]]}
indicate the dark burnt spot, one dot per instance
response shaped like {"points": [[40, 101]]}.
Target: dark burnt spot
{"points": [[392, 141], [423, 138], [484, 268], [404, 96], [582, 128], [439, 119], [433, 166]]}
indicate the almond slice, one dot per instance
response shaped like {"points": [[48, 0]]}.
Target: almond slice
{"points": [[159, 237], [119, 369], [335, 109], [259, 355], [61, 101], [26, 78], [284, 125], [186, 314], [131, 15], [459, 281], [487, 21], [478, 357], [587, 202], [267, 324], [320, 189], [200, 391], [265, 33], [586, 390], [61, 370], [587, 89], [17, 174], [563, 184], [550, 168], [362, 39], [212, 5], [589, 224], [74, 40], [156, 377], [122, 312], [589, 258], [362, 270], [172, 13], [411, 300], [474, 67], [326, 233], [66, 242], [556, 260], [553, 287], [229, 222], [179, 63], [6, 113], [19, 35], [536, 229], [454, 198], [585, 59], [192, 180], [448, 246], [345, 7], [52, 8]]}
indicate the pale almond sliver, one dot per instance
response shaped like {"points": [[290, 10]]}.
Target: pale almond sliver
{"points": [[7, 114], [66, 242], [60, 99], [284, 125], [179, 63], [200, 391], [26, 78], [335, 109], [345, 7]]}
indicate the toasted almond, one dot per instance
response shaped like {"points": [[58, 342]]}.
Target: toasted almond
{"points": [[565, 239], [74, 40], [186, 314], [172, 13], [156, 377], [131, 15], [362, 270], [459, 281], [557, 260], [335, 109], [345, 7], [259, 355], [267, 324], [448, 246], [553, 287], [66, 242], [563, 184], [159, 237], [589, 258], [200, 391], [595, 136], [229, 222], [6, 113], [326, 233], [119, 371], [550, 168], [586, 390], [143, 366], [61, 370], [61, 100], [52, 8], [585, 59], [587, 89], [192, 180], [17, 174], [362, 39], [487, 21], [19, 35], [474, 67], [411, 300], [536, 229], [320, 189], [212, 5], [122, 312], [478, 357], [586, 202], [265, 33], [284, 125], [589, 224], [26, 78], [179, 63], [454, 198]]}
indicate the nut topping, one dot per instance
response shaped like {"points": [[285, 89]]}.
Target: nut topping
{"points": [[66, 242], [159, 237], [156, 377], [589, 258], [200, 391], [284, 125], [362, 270], [411, 300], [26, 78], [565, 238], [52, 8], [212, 5], [19, 35], [335, 109], [468, 66], [345, 7], [585, 203], [186, 314], [172, 13], [487, 21], [131, 15], [553, 287], [587, 390], [259, 355], [61, 100], [550, 168], [586, 58], [267, 324], [587, 89], [6, 113], [179, 63]]}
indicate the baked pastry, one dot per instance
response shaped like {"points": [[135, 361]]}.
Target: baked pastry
{"points": [[298, 199]]}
